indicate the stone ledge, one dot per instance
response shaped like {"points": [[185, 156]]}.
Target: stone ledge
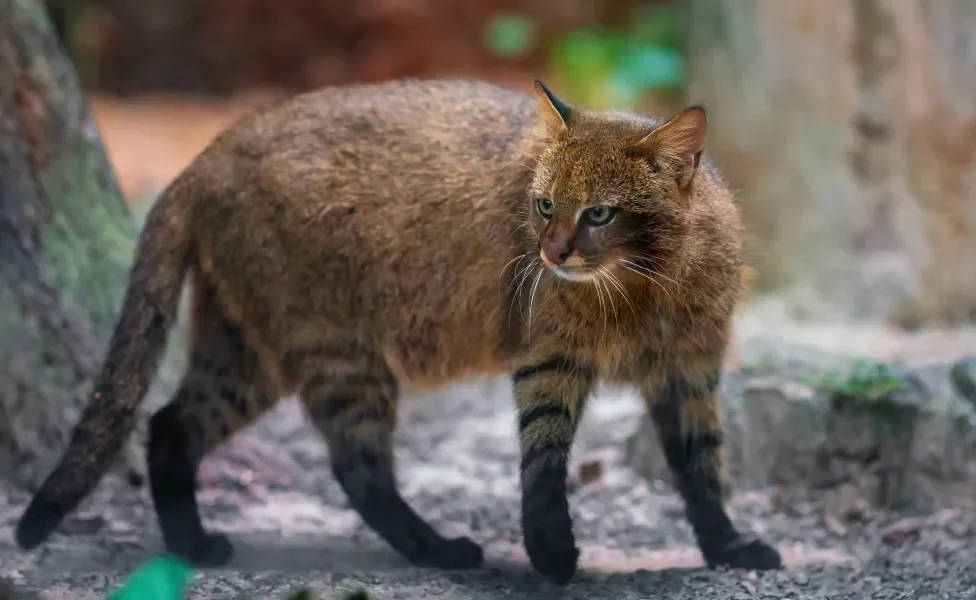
{"points": [[913, 446]]}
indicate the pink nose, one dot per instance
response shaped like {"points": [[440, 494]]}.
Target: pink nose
{"points": [[557, 248]]}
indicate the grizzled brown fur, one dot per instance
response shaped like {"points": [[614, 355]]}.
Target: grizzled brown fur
{"points": [[355, 242]]}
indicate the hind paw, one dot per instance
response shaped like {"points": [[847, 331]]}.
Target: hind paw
{"points": [[457, 553], [210, 550], [747, 554]]}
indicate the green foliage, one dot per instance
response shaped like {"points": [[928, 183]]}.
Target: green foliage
{"points": [[511, 36], [603, 66], [166, 578], [161, 578], [863, 379]]}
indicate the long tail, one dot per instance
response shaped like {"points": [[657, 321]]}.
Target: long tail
{"points": [[150, 307]]}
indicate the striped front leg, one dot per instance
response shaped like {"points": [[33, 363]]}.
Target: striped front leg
{"points": [[685, 408], [550, 393]]}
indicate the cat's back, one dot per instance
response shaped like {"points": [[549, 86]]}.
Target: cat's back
{"points": [[372, 156], [355, 197], [439, 127]]}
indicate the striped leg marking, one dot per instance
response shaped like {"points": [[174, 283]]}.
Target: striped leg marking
{"points": [[550, 395], [689, 422], [353, 404]]}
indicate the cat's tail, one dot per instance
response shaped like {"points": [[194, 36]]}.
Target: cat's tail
{"points": [[150, 307]]}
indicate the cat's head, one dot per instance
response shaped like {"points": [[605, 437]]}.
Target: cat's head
{"points": [[609, 189]]}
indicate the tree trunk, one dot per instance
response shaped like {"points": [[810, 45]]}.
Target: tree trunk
{"points": [[850, 129], [66, 237]]}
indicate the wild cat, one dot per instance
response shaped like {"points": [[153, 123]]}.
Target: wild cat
{"points": [[354, 242]]}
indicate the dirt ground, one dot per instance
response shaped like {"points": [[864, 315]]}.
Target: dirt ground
{"points": [[272, 491]]}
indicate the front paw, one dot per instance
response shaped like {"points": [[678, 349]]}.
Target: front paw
{"points": [[751, 554], [204, 551], [551, 547]]}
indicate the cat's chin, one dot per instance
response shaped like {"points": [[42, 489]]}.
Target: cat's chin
{"points": [[571, 275]]}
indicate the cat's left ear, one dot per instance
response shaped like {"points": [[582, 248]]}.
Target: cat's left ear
{"points": [[554, 112], [679, 142]]}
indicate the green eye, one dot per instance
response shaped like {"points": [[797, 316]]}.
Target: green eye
{"points": [[545, 207], [599, 215]]}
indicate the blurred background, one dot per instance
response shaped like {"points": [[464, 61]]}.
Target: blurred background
{"points": [[847, 127]]}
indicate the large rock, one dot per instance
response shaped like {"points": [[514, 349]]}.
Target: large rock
{"points": [[798, 426], [850, 129]]}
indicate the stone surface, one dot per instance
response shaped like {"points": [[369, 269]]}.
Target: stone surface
{"points": [[963, 375], [856, 178], [458, 460], [790, 428]]}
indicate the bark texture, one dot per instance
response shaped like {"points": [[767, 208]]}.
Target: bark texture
{"points": [[850, 129], [66, 237]]}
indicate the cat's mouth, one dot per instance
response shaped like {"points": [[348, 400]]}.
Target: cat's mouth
{"points": [[569, 272]]}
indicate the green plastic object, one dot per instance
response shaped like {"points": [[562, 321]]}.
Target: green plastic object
{"points": [[161, 578]]}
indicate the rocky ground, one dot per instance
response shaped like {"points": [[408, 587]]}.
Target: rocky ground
{"points": [[272, 490]]}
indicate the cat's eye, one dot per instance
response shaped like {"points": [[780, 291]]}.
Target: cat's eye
{"points": [[545, 207], [599, 215]]}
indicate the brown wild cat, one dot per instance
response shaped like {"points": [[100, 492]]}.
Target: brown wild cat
{"points": [[356, 241]]}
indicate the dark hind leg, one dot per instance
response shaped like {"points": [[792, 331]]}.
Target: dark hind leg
{"points": [[351, 396], [221, 392]]}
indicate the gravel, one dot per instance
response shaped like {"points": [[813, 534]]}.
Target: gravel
{"points": [[271, 489]]}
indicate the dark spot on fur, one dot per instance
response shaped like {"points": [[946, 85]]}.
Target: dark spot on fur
{"points": [[327, 409], [544, 411], [200, 362], [364, 126], [316, 381], [182, 397], [560, 364]]}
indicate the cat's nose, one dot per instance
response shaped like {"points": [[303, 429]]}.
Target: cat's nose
{"points": [[557, 248]]}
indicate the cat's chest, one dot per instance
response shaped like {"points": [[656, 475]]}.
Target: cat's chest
{"points": [[634, 355], [629, 352]]}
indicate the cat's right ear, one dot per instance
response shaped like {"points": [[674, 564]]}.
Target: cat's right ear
{"points": [[680, 142], [554, 112]]}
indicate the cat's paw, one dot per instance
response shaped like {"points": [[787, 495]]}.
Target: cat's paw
{"points": [[212, 550], [457, 553], [752, 554], [552, 549]]}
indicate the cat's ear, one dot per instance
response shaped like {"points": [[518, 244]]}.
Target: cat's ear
{"points": [[554, 112], [678, 143]]}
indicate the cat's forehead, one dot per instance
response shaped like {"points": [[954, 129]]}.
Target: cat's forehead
{"points": [[577, 172], [593, 161]]}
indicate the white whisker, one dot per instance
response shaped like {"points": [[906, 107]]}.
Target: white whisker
{"points": [[656, 264], [535, 285], [524, 270], [616, 283], [603, 307], [516, 297], [651, 279], [613, 307], [517, 258]]}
